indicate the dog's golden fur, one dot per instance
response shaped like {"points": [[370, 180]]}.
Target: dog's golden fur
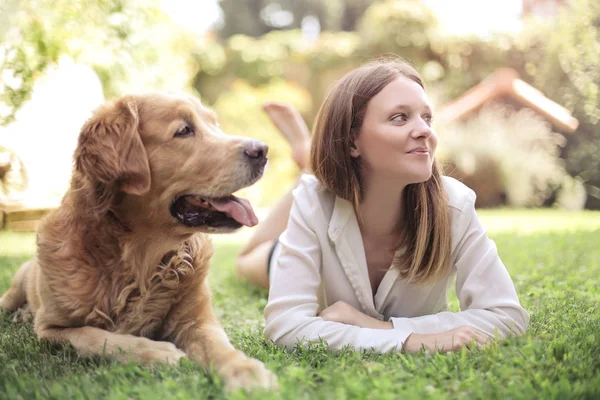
{"points": [[115, 273]]}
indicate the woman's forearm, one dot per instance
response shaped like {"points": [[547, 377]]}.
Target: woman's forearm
{"points": [[365, 321]]}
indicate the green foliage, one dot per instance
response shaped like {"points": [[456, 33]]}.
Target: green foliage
{"points": [[553, 259], [466, 61], [258, 17], [333, 49], [403, 27], [578, 72], [568, 70], [259, 60], [243, 17], [24, 53], [123, 40], [276, 55]]}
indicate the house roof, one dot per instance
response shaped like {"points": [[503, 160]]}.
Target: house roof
{"points": [[505, 83]]}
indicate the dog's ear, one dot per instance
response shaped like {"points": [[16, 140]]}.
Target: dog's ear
{"points": [[110, 149]]}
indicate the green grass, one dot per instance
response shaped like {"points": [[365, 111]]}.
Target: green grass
{"points": [[553, 257]]}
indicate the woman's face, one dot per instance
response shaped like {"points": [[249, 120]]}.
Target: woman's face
{"points": [[396, 140]]}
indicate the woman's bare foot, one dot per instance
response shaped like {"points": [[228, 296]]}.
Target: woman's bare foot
{"points": [[289, 121]]}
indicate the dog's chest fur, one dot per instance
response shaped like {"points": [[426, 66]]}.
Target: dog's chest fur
{"points": [[140, 308]]}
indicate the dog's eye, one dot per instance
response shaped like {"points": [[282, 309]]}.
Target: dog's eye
{"points": [[184, 131]]}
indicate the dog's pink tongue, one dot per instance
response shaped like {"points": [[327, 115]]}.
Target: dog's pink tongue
{"points": [[238, 209]]}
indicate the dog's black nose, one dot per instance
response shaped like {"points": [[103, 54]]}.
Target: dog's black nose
{"points": [[256, 151]]}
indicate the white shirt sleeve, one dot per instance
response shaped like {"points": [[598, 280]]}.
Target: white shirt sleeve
{"points": [[291, 313], [487, 296]]}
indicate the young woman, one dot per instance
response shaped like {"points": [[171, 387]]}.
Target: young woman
{"points": [[371, 242]]}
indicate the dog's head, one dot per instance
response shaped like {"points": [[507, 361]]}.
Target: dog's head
{"points": [[162, 160]]}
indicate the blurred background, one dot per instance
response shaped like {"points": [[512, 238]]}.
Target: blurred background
{"points": [[515, 83]]}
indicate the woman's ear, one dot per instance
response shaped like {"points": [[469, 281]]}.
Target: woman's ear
{"points": [[110, 149]]}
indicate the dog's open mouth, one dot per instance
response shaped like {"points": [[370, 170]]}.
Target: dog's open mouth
{"points": [[229, 212]]}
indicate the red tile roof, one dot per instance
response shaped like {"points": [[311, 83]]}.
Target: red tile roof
{"points": [[505, 83]]}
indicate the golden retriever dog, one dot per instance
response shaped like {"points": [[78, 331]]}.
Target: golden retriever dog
{"points": [[121, 266]]}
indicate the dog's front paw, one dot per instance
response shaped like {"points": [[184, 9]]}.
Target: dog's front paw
{"points": [[23, 315], [149, 351], [163, 352], [247, 373]]}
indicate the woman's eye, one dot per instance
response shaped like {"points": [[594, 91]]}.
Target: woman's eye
{"points": [[400, 117], [428, 119], [184, 131]]}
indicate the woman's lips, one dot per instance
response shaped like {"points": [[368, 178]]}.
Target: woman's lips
{"points": [[423, 151]]}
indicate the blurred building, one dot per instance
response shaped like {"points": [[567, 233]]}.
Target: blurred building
{"points": [[499, 122], [505, 86]]}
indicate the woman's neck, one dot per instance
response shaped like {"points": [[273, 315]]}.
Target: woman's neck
{"points": [[380, 210]]}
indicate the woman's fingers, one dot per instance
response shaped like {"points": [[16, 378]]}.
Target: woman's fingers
{"points": [[479, 339], [482, 338], [467, 336]]}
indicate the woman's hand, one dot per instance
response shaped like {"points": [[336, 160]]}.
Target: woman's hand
{"points": [[346, 314], [452, 340]]}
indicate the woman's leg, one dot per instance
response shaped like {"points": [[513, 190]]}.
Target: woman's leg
{"points": [[251, 263]]}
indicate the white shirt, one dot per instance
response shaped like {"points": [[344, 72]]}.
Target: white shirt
{"points": [[322, 260]]}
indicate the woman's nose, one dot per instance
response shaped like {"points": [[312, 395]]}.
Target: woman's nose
{"points": [[422, 129]]}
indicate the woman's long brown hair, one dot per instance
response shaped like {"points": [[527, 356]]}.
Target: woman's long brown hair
{"points": [[423, 250]]}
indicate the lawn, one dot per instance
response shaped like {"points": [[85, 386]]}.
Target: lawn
{"points": [[553, 257]]}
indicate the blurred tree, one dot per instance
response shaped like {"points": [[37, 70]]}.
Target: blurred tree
{"points": [[404, 27], [257, 17], [243, 17], [563, 59], [131, 45]]}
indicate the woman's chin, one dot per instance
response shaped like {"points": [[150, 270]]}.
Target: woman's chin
{"points": [[407, 175], [420, 177]]}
